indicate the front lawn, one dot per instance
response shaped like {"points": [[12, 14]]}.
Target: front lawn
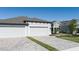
{"points": [[69, 37]]}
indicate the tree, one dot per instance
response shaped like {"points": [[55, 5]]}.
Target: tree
{"points": [[72, 25]]}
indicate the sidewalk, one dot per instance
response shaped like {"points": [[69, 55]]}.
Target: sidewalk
{"points": [[73, 49]]}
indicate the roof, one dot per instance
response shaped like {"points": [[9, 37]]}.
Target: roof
{"points": [[20, 20], [37, 20], [16, 20]]}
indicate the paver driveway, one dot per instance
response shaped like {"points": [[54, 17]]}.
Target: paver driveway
{"points": [[19, 44], [58, 43]]}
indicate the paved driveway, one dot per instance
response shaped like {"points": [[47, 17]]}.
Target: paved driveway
{"points": [[19, 44], [60, 44]]}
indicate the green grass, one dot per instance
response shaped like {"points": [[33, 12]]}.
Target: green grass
{"points": [[69, 37], [50, 48]]}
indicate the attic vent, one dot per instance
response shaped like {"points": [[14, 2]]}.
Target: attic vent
{"points": [[24, 21]]}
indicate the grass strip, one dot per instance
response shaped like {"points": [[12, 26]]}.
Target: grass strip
{"points": [[50, 48], [75, 39]]}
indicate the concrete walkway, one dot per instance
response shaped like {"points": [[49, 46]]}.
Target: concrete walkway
{"points": [[73, 49], [58, 43], [19, 44]]}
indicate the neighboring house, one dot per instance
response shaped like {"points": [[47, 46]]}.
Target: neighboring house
{"points": [[77, 28], [55, 27], [24, 26], [64, 26]]}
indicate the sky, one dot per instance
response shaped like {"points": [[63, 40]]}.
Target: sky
{"points": [[46, 13]]}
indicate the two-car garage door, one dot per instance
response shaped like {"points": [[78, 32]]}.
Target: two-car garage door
{"points": [[39, 31], [12, 31]]}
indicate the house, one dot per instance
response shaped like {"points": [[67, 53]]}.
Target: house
{"points": [[77, 28], [24, 26], [64, 27], [55, 27]]}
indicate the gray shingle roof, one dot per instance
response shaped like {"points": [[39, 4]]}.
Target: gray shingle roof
{"points": [[21, 19]]}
